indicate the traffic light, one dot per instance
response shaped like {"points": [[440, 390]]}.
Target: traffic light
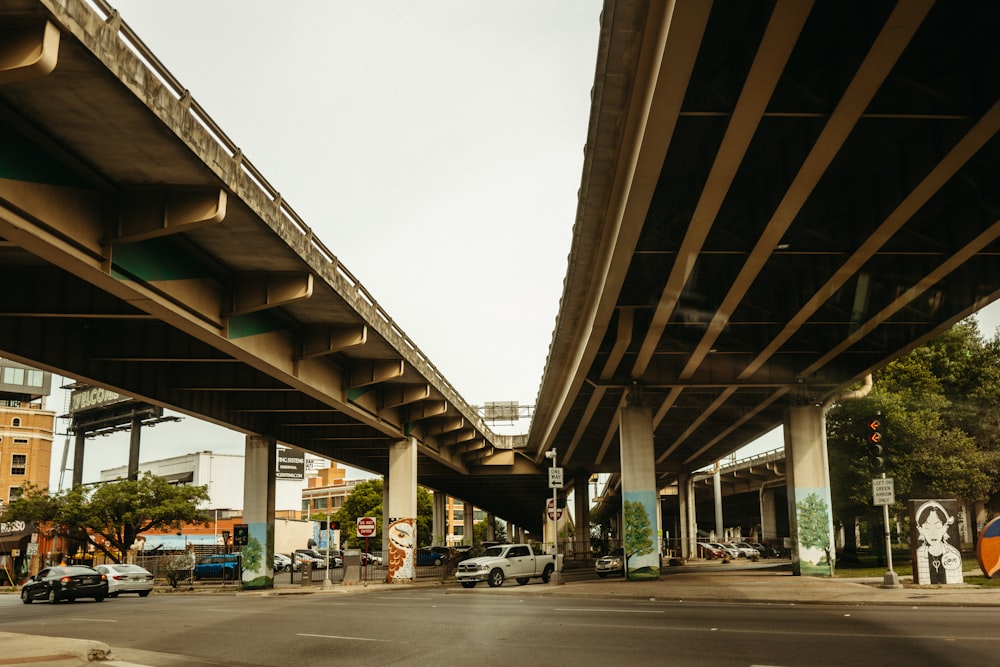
{"points": [[876, 446]]}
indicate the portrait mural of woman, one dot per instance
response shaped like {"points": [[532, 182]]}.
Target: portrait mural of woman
{"points": [[933, 536]]}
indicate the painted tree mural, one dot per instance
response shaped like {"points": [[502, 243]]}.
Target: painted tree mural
{"points": [[814, 526], [638, 530]]}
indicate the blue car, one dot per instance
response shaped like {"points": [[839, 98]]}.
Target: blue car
{"points": [[218, 566], [430, 556]]}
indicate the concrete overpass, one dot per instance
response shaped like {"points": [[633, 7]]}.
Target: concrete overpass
{"points": [[777, 199], [152, 257]]}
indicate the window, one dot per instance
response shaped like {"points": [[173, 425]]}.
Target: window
{"points": [[14, 492], [13, 375], [20, 441], [34, 378], [458, 530], [18, 464], [16, 421]]}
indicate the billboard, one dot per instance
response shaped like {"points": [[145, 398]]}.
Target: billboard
{"points": [[291, 464]]}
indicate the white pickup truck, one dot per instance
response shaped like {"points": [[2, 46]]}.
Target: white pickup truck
{"points": [[507, 561]]}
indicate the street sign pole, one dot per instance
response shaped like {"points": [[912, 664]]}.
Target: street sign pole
{"points": [[555, 481], [884, 495]]}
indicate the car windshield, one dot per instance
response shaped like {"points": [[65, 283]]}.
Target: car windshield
{"points": [[494, 552]]}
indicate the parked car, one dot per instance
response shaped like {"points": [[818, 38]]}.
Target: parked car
{"points": [[65, 582], [427, 556], [728, 550], [744, 550], [216, 566], [336, 557], [710, 551], [123, 578], [612, 563], [767, 551], [370, 558], [302, 560], [283, 563]]}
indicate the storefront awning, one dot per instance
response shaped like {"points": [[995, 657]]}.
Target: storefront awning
{"points": [[17, 540]]}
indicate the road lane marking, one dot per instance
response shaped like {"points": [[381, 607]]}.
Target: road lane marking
{"points": [[612, 611], [353, 639]]}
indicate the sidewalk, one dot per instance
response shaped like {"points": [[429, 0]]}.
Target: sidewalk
{"points": [[710, 581]]}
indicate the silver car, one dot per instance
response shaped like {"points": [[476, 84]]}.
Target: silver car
{"points": [[123, 578], [613, 563]]}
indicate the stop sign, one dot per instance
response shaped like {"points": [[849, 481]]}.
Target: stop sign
{"points": [[366, 526], [555, 513]]}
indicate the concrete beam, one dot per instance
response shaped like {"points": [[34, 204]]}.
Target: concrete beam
{"points": [[395, 395], [321, 340], [28, 51], [148, 213], [253, 292], [363, 373]]}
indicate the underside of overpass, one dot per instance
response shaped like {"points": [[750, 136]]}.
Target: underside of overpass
{"points": [[778, 197]]}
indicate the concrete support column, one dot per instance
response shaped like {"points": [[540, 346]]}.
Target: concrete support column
{"points": [[258, 511], [581, 515], [640, 529], [79, 439], [720, 525], [491, 532], [688, 521], [810, 514], [469, 523], [768, 516], [401, 511], [440, 520], [135, 435]]}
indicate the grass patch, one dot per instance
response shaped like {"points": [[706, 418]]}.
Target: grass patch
{"points": [[865, 565]]}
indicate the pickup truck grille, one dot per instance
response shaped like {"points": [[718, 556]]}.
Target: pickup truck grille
{"points": [[462, 567]]}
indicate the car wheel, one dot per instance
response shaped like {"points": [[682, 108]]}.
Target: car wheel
{"points": [[437, 562], [98, 598], [547, 574], [521, 581], [25, 597], [496, 577], [602, 574], [113, 595], [53, 596], [143, 594], [468, 584]]}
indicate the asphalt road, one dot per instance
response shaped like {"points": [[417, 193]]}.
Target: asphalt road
{"points": [[449, 625]]}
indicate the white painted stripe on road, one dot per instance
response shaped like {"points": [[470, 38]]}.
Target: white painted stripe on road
{"points": [[94, 620], [353, 639], [612, 611]]}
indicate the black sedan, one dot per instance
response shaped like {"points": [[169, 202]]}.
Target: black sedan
{"points": [[65, 582]]}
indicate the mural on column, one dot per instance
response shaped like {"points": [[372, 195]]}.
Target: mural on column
{"points": [[639, 519], [816, 553], [257, 572], [933, 536], [402, 540]]}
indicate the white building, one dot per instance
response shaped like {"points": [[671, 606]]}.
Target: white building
{"points": [[221, 473]]}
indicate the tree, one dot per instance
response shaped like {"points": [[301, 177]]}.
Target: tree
{"points": [[366, 500], [940, 408], [111, 516]]}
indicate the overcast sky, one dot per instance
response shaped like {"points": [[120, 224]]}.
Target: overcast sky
{"points": [[435, 147]]}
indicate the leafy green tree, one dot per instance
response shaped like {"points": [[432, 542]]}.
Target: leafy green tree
{"points": [[366, 500], [112, 515], [940, 409]]}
